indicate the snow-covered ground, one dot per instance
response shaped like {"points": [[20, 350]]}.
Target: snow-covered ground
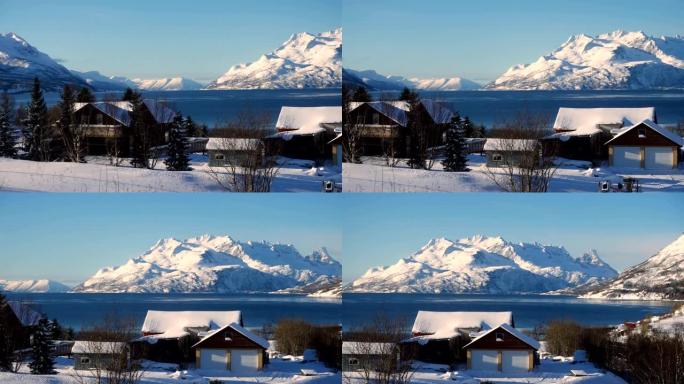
{"points": [[278, 371], [572, 176], [98, 176]]}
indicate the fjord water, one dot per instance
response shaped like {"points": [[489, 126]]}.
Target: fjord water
{"points": [[495, 107], [79, 310], [528, 310]]}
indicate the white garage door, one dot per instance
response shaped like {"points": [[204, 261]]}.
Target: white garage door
{"points": [[515, 361], [244, 360], [627, 157], [213, 359], [483, 360], [659, 158]]}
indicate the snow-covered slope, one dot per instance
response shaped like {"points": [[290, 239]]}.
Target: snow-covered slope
{"points": [[37, 286], [105, 83], [214, 264], [167, 84], [617, 60], [375, 81], [20, 63], [659, 277], [482, 264], [303, 61]]}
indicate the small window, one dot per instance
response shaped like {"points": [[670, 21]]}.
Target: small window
{"points": [[219, 156], [499, 336], [84, 119], [85, 360], [353, 361], [226, 336], [642, 133], [376, 118], [359, 119], [497, 157], [100, 119]]}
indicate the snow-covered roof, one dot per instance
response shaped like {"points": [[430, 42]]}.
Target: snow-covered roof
{"points": [[357, 347], [510, 144], [98, 347], [523, 337], [447, 324], [240, 329], [396, 110], [120, 110], [585, 121], [656, 127], [224, 143], [174, 324], [439, 113], [25, 313], [307, 120]]}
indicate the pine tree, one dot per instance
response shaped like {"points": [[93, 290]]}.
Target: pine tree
{"points": [[177, 159], [192, 130], [361, 95], [129, 95], [64, 148], [36, 134], [7, 139], [408, 95], [140, 155], [56, 332], [42, 363], [6, 349], [455, 147], [417, 152], [85, 96], [468, 127]]}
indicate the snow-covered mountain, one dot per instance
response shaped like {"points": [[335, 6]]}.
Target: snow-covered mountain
{"points": [[35, 286], [167, 84], [20, 63], [617, 60], [102, 82], [303, 61], [659, 277], [483, 264], [214, 264], [376, 81]]}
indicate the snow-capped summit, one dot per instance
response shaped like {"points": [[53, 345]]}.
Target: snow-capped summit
{"points": [[215, 264], [167, 84], [376, 81], [484, 264], [20, 63], [616, 60], [659, 277], [33, 286], [305, 60]]}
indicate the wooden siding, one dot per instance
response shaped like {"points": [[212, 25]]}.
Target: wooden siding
{"points": [[651, 139], [237, 340], [509, 341]]}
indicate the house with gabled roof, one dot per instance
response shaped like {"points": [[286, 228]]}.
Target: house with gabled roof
{"points": [[306, 132], [384, 124], [21, 320], [645, 145], [439, 337], [504, 349], [107, 125], [231, 348]]}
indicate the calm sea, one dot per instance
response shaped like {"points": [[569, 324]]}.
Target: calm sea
{"points": [[82, 309], [494, 107], [528, 310]]}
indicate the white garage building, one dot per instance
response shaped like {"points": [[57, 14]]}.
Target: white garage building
{"points": [[502, 349], [645, 145], [231, 348]]}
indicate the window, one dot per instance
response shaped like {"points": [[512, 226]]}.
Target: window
{"points": [[499, 336], [85, 360], [353, 361], [359, 119], [100, 119], [226, 336], [219, 156], [376, 118], [497, 157], [84, 119], [642, 133]]}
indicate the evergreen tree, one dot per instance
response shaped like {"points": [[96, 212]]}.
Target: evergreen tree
{"points": [[468, 128], [85, 96], [192, 129], [140, 155], [56, 331], [408, 95], [7, 139], [36, 134], [129, 95], [361, 95], [177, 159], [455, 147], [5, 338], [417, 133], [42, 363], [64, 148]]}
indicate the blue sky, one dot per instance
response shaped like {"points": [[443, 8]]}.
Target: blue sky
{"points": [[480, 39], [136, 38], [68, 237], [625, 229]]}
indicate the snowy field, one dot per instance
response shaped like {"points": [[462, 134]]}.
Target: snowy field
{"points": [[279, 371], [571, 176], [98, 176]]}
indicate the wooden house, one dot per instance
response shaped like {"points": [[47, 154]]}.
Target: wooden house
{"points": [[306, 132], [98, 355], [107, 125], [502, 349], [580, 133], [231, 348], [384, 124], [365, 356], [645, 145], [21, 321], [168, 336], [224, 151], [512, 152], [439, 337]]}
